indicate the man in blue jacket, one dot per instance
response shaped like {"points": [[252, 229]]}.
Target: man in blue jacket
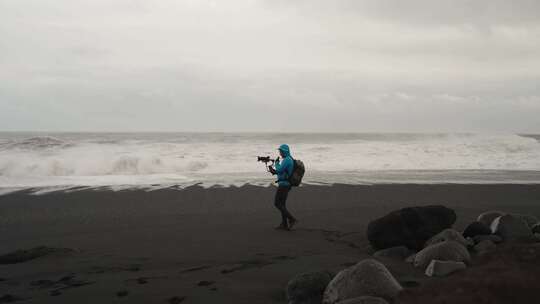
{"points": [[284, 170]]}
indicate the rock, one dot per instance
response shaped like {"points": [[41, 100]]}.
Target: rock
{"points": [[410, 227], [308, 288], [485, 246], [510, 227], [492, 237], [438, 268], [364, 300], [410, 259], [409, 282], [476, 228], [537, 237], [24, 255], [367, 278], [448, 235], [536, 228], [530, 220], [398, 252], [487, 217], [445, 251]]}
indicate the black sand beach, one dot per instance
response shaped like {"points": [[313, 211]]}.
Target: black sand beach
{"points": [[213, 245]]}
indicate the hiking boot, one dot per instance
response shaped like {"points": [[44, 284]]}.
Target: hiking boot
{"points": [[282, 227], [292, 223]]}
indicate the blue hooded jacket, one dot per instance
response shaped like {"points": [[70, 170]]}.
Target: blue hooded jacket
{"points": [[284, 169]]}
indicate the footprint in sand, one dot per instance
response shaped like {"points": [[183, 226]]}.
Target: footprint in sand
{"points": [[244, 265], [284, 257], [63, 283], [23, 255], [8, 298], [104, 269], [176, 300], [196, 268], [205, 283]]}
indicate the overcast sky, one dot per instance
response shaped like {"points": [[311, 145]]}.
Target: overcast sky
{"points": [[274, 65]]}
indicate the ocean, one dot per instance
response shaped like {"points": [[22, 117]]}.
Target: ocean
{"points": [[69, 161]]}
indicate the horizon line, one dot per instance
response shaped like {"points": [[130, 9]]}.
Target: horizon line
{"points": [[275, 132]]}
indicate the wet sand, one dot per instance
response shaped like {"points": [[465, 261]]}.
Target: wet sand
{"points": [[213, 245]]}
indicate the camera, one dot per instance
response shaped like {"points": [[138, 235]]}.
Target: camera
{"points": [[265, 159]]}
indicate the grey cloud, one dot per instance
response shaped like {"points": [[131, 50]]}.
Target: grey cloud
{"points": [[270, 65], [171, 99], [426, 12]]}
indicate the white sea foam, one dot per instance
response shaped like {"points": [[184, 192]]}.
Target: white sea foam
{"points": [[126, 160]]}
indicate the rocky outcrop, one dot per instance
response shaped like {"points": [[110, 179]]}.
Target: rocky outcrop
{"points": [[410, 227], [438, 268], [448, 235], [510, 228], [487, 217], [490, 216], [476, 228], [308, 288], [444, 251], [367, 278]]}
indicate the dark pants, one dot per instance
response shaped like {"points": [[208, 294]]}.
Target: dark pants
{"points": [[280, 203]]}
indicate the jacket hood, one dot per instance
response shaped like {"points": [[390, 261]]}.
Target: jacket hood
{"points": [[285, 149]]}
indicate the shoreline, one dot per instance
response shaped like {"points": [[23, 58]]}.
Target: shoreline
{"points": [[40, 190]]}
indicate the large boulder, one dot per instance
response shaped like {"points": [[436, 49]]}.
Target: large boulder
{"points": [[410, 259], [492, 237], [476, 228], [485, 246], [448, 235], [308, 288], [438, 268], [398, 252], [444, 251], [367, 278], [487, 217], [510, 227], [410, 227], [364, 300]]}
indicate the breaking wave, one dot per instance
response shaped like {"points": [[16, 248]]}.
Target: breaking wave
{"points": [[90, 159], [34, 143]]}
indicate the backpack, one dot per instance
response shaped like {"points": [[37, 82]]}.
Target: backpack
{"points": [[298, 173]]}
